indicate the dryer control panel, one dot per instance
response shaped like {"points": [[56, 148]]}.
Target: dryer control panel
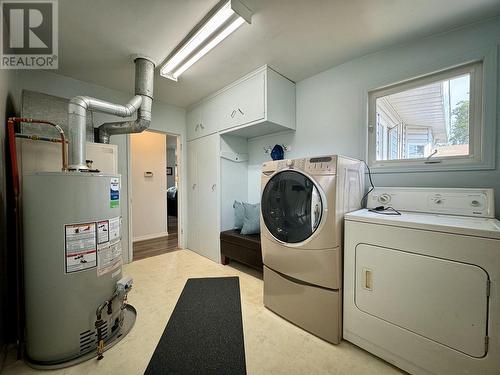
{"points": [[463, 202]]}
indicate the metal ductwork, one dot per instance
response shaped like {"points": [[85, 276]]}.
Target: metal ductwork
{"points": [[141, 103]]}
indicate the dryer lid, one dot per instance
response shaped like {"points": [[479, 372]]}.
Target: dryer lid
{"points": [[470, 226]]}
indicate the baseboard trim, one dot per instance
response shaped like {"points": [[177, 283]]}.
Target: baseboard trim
{"points": [[149, 236]]}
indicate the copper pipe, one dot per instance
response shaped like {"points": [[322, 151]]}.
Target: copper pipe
{"points": [[58, 128], [35, 137]]}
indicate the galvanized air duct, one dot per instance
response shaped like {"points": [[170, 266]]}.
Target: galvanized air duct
{"points": [[141, 102]]}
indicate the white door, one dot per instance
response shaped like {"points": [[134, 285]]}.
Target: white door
{"points": [[442, 300], [204, 227]]}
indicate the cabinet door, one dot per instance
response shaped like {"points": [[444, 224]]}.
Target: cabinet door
{"points": [[193, 123], [192, 201], [250, 95], [210, 116], [208, 197], [203, 197], [244, 103]]}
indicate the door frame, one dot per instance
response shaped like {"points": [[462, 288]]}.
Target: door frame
{"points": [[180, 195]]}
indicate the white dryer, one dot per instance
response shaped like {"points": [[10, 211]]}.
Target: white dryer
{"points": [[421, 289], [302, 207]]}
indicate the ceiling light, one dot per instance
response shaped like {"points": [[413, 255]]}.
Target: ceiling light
{"points": [[222, 20]]}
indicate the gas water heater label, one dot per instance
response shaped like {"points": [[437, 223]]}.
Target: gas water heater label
{"points": [[109, 257], [80, 246], [102, 231], [114, 192], [114, 229], [109, 246]]}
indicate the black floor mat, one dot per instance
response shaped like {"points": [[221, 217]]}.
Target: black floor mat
{"points": [[205, 332]]}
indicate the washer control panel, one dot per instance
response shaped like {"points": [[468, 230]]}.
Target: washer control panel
{"points": [[320, 165], [314, 166], [464, 202]]}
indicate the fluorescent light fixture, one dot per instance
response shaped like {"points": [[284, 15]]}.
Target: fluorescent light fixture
{"points": [[222, 20]]}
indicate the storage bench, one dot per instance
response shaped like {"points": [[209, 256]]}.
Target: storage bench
{"points": [[244, 248]]}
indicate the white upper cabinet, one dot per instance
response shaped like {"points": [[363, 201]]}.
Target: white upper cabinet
{"points": [[193, 123], [244, 102], [262, 102]]}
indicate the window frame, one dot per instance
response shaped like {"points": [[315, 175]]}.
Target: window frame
{"points": [[477, 132]]}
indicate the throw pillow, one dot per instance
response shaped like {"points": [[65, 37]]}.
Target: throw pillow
{"points": [[239, 214], [251, 220]]}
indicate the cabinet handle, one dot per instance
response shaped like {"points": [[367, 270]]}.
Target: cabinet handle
{"points": [[194, 186], [213, 187], [196, 127], [201, 126], [233, 113], [241, 112]]}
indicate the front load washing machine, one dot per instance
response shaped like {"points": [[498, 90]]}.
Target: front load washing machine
{"points": [[421, 289], [302, 207]]}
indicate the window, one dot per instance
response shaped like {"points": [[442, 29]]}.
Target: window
{"points": [[416, 151], [435, 119]]}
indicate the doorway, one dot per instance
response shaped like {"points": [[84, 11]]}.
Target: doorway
{"points": [[154, 184], [172, 185]]}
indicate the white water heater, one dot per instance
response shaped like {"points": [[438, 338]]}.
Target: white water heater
{"points": [[75, 295]]}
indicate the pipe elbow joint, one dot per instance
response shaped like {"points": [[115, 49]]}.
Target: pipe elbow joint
{"points": [[81, 101]]}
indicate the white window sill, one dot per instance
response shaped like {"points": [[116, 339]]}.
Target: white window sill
{"points": [[402, 166]]}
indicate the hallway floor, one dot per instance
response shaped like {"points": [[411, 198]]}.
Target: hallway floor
{"points": [[272, 345], [157, 246]]}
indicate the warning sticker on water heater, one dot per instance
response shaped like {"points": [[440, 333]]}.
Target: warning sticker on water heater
{"points": [[114, 192], [114, 229], [109, 257], [80, 246], [102, 231]]}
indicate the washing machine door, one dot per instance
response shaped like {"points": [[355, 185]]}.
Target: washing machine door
{"points": [[291, 206]]}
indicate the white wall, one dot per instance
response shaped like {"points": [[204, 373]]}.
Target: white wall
{"points": [[332, 106], [165, 117], [233, 178], [148, 153]]}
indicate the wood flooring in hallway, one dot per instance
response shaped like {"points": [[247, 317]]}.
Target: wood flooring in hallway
{"points": [[160, 245]]}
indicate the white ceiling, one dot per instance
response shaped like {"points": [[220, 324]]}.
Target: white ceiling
{"points": [[298, 38]]}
